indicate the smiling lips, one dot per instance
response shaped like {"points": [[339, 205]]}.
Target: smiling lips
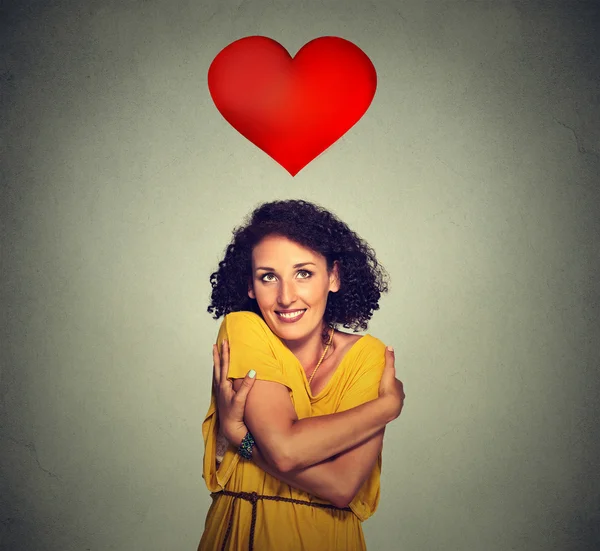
{"points": [[290, 316]]}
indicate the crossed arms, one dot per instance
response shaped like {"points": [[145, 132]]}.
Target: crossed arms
{"points": [[329, 456]]}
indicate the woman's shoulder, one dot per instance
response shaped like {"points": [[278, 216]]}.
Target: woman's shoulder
{"points": [[361, 370], [252, 345], [365, 343], [248, 324], [244, 318], [364, 352], [374, 344]]}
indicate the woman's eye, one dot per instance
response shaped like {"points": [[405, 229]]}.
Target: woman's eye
{"points": [[304, 274], [268, 277]]}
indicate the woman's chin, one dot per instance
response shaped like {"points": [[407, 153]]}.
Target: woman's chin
{"points": [[289, 331], [285, 331]]}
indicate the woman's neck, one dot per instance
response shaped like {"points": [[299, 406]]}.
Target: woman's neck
{"points": [[309, 350]]}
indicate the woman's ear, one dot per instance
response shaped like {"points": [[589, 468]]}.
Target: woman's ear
{"points": [[334, 277], [251, 290]]}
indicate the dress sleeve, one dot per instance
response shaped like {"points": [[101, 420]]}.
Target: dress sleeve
{"points": [[251, 346], [363, 386]]}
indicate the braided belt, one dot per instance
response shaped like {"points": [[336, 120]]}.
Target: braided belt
{"points": [[253, 498]]}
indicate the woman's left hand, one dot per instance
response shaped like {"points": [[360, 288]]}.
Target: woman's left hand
{"points": [[230, 404]]}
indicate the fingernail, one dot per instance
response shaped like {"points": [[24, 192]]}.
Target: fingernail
{"points": [[390, 348], [252, 373], [224, 342]]}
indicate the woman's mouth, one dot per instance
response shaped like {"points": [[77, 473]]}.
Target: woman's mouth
{"points": [[290, 316]]}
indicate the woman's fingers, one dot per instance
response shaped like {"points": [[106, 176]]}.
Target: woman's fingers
{"points": [[224, 360], [242, 394], [216, 366], [389, 373], [390, 359], [390, 363]]}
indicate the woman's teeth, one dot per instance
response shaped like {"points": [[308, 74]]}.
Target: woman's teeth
{"points": [[290, 315]]}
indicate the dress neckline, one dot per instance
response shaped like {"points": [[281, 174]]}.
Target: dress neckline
{"points": [[335, 373]]}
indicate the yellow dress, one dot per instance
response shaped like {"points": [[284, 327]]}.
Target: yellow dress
{"points": [[284, 526]]}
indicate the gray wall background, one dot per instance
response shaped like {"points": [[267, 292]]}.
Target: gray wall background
{"points": [[474, 175]]}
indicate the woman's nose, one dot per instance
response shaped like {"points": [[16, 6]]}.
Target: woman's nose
{"points": [[287, 293]]}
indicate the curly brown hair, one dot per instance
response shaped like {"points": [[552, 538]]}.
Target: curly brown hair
{"points": [[362, 278]]}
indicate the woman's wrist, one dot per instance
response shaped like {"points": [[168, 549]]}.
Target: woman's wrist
{"points": [[390, 406], [238, 436]]}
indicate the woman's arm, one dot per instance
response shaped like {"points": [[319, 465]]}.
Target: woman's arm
{"points": [[336, 480], [289, 444]]}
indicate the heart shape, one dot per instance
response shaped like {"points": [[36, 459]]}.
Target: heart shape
{"points": [[292, 108]]}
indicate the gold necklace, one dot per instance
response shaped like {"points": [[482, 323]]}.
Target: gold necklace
{"points": [[322, 356]]}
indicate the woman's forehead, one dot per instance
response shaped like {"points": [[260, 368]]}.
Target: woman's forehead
{"points": [[281, 251]]}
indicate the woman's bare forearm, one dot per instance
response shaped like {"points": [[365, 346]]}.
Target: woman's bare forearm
{"points": [[295, 444], [319, 480], [335, 480], [311, 440]]}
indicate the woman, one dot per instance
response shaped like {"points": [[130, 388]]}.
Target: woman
{"points": [[300, 455]]}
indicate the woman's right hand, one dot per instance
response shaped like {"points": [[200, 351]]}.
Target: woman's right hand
{"points": [[230, 404], [391, 389]]}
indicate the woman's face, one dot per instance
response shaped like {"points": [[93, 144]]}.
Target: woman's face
{"points": [[290, 284]]}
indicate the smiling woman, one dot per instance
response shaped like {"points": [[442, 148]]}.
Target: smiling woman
{"points": [[289, 292], [294, 431]]}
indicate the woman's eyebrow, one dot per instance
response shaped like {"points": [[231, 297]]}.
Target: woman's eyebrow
{"points": [[295, 266]]}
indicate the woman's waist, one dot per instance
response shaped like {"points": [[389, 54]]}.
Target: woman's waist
{"points": [[303, 510], [248, 479], [302, 500], [268, 521]]}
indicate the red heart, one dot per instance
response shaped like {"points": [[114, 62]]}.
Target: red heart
{"points": [[292, 108]]}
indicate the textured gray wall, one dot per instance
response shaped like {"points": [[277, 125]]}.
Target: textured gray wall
{"points": [[474, 175]]}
